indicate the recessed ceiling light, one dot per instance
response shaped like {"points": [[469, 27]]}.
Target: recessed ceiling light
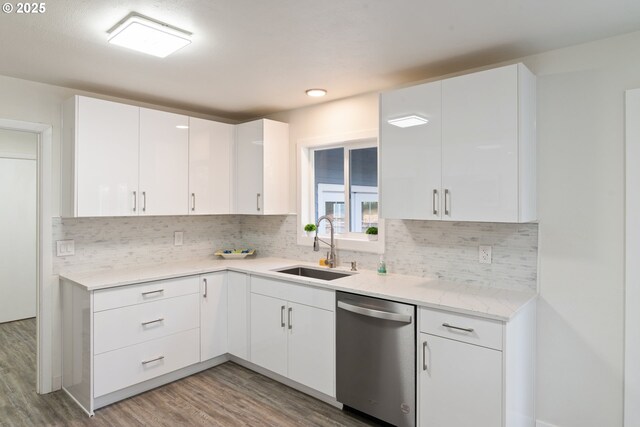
{"points": [[316, 92], [145, 35], [408, 121], [182, 127]]}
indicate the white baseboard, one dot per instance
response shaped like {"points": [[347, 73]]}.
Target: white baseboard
{"points": [[56, 383], [544, 424]]}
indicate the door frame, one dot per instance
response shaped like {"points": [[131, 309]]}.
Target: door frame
{"points": [[632, 254], [44, 255]]}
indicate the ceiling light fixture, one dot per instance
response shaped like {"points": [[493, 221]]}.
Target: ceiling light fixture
{"points": [[182, 126], [143, 34], [408, 121], [316, 92]]}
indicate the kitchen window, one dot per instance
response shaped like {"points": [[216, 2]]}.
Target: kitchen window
{"points": [[340, 179]]}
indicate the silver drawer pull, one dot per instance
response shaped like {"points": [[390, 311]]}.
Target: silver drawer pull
{"points": [[446, 325], [152, 292], [153, 321], [290, 318], [425, 366], [144, 362], [282, 324]]}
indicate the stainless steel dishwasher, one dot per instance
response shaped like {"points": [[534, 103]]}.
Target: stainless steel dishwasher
{"points": [[376, 357]]}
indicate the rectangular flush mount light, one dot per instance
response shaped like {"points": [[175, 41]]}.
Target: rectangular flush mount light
{"points": [[145, 35], [408, 121]]}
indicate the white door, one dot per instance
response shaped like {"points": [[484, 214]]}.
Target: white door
{"points": [[312, 347], [164, 163], [18, 243], [106, 158], [268, 333], [238, 314], [460, 384], [213, 315], [249, 168], [480, 146], [210, 145], [410, 157]]}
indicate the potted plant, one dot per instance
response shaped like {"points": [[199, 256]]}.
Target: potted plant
{"points": [[309, 229], [372, 233]]}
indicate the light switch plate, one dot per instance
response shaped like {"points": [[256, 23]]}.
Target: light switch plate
{"points": [[484, 254], [65, 248], [178, 238]]}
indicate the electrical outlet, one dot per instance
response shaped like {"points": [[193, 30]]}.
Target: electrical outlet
{"points": [[65, 248], [178, 238], [484, 254]]}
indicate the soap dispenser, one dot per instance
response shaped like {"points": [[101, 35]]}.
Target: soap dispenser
{"points": [[382, 266]]}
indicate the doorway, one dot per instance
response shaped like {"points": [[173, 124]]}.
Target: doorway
{"points": [[18, 225], [45, 281]]}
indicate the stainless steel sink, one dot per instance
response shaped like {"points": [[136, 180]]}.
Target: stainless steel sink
{"points": [[314, 273]]}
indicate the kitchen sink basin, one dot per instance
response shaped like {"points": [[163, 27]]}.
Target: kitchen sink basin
{"points": [[314, 273]]}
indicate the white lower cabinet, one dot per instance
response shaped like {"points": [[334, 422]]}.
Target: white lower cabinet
{"points": [[238, 314], [213, 315], [476, 372], [293, 332], [460, 384]]}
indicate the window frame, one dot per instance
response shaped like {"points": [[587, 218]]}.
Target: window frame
{"points": [[306, 201]]}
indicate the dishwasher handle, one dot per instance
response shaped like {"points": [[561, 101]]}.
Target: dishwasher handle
{"points": [[379, 314]]}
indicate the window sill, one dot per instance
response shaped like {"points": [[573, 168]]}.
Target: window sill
{"points": [[347, 244]]}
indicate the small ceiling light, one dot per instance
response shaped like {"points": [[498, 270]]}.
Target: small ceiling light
{"points": [[316, 92], [182, 127], [145, 35], [408, 121]]}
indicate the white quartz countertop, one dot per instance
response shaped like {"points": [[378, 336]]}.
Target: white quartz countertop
{"points": [[493, 303]]}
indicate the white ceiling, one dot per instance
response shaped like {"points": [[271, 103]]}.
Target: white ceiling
{"points": [[249, 58]]}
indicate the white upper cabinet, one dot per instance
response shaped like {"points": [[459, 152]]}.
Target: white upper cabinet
{"points": [[474, 160], [99, 158], [262, 168], [488, 145], [410, 157], [210, 149], [164, 163]]}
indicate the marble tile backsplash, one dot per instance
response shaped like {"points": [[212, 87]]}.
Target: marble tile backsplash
{"points": [[447, 250]]}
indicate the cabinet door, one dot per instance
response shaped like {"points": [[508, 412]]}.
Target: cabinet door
{"points": [[238, 314], [164, 163], [268, 333], [275, 200], [410, 157], [480, 146], [249, 168], [210, 146], [461, 385], [312, 347], [106, 158], [213, 315]]}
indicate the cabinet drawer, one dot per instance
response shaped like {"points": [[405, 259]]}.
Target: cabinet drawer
{"points": [[122, 368], [484, 332], [122, 327], [302, 294], [150, 291]]}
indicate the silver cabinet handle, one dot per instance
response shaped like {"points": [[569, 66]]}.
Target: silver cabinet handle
{"points": [[425, 367], [385, 315], [290, 315], [144, 362], [433, 201], [153, 321], [258, 202], [193, 202], [447, 196], [144, 201], [157, 291], [135, 200], [282, 316], [446, 325], [206, 288]]}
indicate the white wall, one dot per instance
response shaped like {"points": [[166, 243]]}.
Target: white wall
{"points": [[580, 208], [14, 143]]}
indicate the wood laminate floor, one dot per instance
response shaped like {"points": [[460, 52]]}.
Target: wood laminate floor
{"points": [[227, 395]]}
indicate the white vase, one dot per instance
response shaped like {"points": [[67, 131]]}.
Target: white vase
{"points": [[372, 237]]}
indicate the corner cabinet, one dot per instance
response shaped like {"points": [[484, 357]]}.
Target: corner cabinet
{"points": [[476, 372], [293, 332], [475, 158], [262, 168]]}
